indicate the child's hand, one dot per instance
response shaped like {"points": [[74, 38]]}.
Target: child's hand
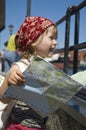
{"points": [[15, 76]]}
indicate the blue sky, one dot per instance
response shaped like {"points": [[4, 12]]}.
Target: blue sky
{"points": [[16, 11]]}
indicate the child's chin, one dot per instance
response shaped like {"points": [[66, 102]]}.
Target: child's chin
{"points": [[50, 55]]}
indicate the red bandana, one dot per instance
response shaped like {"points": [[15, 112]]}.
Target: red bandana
{"points": [[31, 29]]}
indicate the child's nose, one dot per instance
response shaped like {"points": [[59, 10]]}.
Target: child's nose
{"points": [[55, 42]]}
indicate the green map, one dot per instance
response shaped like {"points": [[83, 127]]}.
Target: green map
{"points": [[46, 87]]}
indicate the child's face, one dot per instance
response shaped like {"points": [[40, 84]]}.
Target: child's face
{"points": [[48, 43]]}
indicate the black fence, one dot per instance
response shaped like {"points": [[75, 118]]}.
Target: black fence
{"points": [[72, 10]]}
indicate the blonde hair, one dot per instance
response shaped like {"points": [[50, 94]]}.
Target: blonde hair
{"points": [[32, 48]]}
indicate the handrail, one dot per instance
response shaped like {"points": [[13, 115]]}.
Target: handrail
{"points": [[77, 8], [79, 46], [72, 10]]}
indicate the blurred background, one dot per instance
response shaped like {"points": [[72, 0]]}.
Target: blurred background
{"points": [[14, 13]]}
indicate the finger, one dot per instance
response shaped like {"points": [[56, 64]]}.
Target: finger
{"points": [[20, 75]]}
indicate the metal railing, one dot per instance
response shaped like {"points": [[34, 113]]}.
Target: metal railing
{"points": [[72, 10]]}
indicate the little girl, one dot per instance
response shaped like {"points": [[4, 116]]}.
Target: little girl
{"points": [[36, 36]]}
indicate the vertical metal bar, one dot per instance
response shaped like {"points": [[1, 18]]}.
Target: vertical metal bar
{"points": [[28, 7], [2, 15], [76, 41], [67, 34]]}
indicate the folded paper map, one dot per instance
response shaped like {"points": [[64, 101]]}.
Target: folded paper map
{"points": [[46, 87]]}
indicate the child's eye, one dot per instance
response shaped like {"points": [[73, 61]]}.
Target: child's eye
{"points": [[51, 38]]}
